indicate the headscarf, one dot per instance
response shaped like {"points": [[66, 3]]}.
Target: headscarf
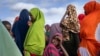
{"points": [[7, 44], [81, 16], [91, 7], [88, 28], [51, 49], [35, 39], [20, 29], [55, 28], [70, 23]]}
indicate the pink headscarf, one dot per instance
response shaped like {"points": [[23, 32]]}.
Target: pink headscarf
{"points": [[55, 28]]}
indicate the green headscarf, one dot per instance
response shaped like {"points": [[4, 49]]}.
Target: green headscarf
{"points": [[35, 39], [7, 44]]}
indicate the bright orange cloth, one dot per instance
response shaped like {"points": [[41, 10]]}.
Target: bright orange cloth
{"points": [[88, 28], [91, 7]]}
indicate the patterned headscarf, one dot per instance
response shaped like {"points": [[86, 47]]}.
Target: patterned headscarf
{"points": [[71, 23]]}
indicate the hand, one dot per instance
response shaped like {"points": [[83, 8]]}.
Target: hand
{"points": [[60, 38]]}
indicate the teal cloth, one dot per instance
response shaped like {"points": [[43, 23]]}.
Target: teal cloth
{"points": [[7, 44]]}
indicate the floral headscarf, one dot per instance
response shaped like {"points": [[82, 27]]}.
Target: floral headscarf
{"points": [[71, 22]]}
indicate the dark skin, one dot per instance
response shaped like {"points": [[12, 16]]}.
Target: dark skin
{"points": [[32, 20], [57, 41]]}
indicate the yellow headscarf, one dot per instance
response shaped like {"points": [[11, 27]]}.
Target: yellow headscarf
{"points": [[35, 39]]}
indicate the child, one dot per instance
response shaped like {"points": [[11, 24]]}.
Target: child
{"points": [[52, 48]]}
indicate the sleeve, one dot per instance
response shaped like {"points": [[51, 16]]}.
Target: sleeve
{"points": [[52, 51]]}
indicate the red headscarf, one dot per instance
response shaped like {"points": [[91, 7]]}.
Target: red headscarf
{"points": [[80, 17]]}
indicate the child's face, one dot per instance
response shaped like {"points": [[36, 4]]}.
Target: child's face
{"points": [[55, 41]]}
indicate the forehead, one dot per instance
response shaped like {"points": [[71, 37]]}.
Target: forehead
{"points": [[7, 25]]}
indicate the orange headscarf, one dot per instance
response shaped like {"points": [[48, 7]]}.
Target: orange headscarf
{"points": [[91, 6], [88, 28]]}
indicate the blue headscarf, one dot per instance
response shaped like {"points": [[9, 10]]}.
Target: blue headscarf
{"points": [[20, 29]]}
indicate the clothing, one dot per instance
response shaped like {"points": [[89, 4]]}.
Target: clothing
{"points": [[7, 44], [81, 17], [55, 28], [91, 7], [35, 39], [70, 30], [70, 23], [51, 50], [20, 29], [71, 46], [47, 37], [88, 32]]}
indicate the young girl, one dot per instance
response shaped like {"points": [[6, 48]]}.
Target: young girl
{"points": [[55, 46]]}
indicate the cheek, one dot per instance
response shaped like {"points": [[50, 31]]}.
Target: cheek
{"points": [[29, 23], [56, 42]]}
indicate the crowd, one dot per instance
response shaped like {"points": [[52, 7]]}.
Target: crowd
{"points": [[74, 35]]}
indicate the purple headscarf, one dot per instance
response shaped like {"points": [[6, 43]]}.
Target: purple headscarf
{"points": [[55, 28]]}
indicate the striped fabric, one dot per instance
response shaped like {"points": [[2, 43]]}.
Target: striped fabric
{"points": [[51, 50]]}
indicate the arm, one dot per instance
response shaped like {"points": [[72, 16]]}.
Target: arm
{"points": [[63, 49], [63, 16]]}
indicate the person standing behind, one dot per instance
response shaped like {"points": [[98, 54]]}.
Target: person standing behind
{"points": [[70, 30], [8, 26], [35, 40], [20, 29], [90, 30], [47, 33]]}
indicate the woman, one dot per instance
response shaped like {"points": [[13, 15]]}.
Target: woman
{"points": [[20, 29], [7, 45], [35, 40], [90, 30], [70, 30], [52, 48]]}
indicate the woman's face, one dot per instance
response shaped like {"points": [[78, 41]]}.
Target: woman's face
{"points": [[31, 18], [55, 40]]}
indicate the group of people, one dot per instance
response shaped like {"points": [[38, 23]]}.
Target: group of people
{"points": [[72, 36]]}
